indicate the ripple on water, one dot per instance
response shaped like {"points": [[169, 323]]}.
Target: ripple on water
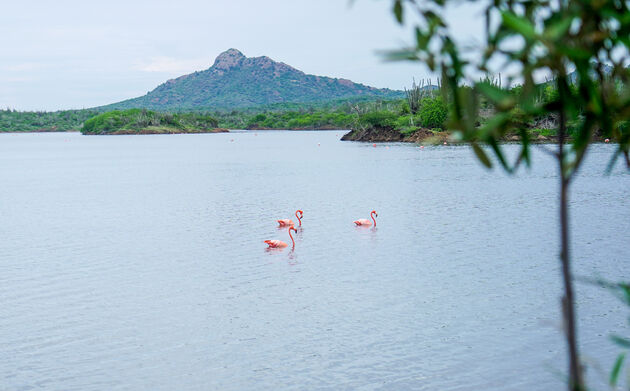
{"points": [[139, 263]]}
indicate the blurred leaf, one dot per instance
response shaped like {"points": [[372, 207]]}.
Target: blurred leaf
{"points": [[494, 126], [614, 374], [398, 11], [575, 53], [612, 161], [626, 291], [422, 39], [497, 95], [401, 55], [558, 29], [499, 154], [518, 24], [623, 342], [481, 155]]}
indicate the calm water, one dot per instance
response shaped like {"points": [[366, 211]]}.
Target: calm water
{"points": [[138, 263]]}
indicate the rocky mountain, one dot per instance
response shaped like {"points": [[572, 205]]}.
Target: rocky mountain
{"points": [[235, 80]]}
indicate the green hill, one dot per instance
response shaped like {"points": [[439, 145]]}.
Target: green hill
{"points": [[236, 81]]}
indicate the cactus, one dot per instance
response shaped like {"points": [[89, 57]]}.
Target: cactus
{"points": [[417, 93]]}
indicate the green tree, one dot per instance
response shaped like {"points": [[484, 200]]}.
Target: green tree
{"points": [[583, 46]]}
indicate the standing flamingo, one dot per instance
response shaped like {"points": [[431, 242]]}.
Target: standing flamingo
{"points": [[366, 222], [279, 243], [287, 222]]}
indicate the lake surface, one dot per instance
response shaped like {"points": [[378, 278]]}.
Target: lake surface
{"points": [[138, 263]]}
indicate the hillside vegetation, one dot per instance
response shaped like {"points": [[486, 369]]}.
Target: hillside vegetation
{"points": [[420, 116], [144, 121], [39, 121], [235, 81]]}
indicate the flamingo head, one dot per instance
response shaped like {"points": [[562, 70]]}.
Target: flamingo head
{"points": [[300, 212], [375, 214], [293, 229]]}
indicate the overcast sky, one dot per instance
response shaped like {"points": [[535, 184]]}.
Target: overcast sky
{"points": [[74, 54]]}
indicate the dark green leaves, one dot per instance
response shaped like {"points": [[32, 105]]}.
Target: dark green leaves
{"points": [[623, 342], [481, 155], [581, 46], [558, 29], [500, 97], [398, 11], [576, 46], [614, 374], [518, 24]]}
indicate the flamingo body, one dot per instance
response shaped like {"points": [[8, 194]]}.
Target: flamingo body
{"points": [[285, 223], [363, 222], [274, 243], [289, 223], [366, 222]]}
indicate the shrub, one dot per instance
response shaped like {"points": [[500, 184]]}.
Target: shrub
{"points": [[432, 113], [137, 119], [379, 119]]}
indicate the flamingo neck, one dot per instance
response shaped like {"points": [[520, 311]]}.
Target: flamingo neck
{"points": [[298, 217], [292, 241], [372, 216]]}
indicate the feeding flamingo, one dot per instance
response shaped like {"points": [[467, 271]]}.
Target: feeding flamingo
{"points": [[362, 222], [279, 243], [287, 222]]}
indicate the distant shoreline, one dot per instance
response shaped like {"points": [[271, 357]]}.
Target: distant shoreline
{"points": [[40, 131], [124, 132], [193, 131], [372, 135], [384, 135], [325, 127], [158, 131]]}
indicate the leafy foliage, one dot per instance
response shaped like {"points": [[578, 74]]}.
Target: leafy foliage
{"points": [[433, 113], [584, 46], [32, 121], [417, 93], [139, 119], [379, 119], [622, 291]]}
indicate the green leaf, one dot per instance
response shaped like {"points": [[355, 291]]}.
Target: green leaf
{"points": [[625, 288], [398, 11], [481, 155], [497, 95], [577, 53], [497, 151], [494, 126], [400, 55], [558, 29], [614, 374], [518, 24], [422, 39], [623, 342]]}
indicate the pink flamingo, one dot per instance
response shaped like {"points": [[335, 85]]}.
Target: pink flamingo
{"points": [[289, 223], [279, 243], [366, 222]]}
